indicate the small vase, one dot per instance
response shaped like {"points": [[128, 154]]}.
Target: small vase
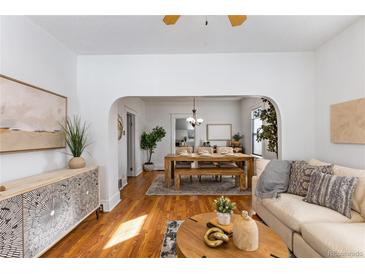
{"points": [[76, 162], [223, 218], [235, 143]]}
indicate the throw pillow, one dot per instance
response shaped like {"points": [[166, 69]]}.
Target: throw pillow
{"points": [[331, 191], [274, 179], [300, 174]]}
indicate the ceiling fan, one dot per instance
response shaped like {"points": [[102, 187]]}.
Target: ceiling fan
{"points": [[236, 20]]}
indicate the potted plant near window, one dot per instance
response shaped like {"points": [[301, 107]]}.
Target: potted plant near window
{"points": [[76, 140], [236, 139], [269, 129], [224, 209], [149, 142]]}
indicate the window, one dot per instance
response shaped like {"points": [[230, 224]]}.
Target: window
{"points": [[256, 123]]}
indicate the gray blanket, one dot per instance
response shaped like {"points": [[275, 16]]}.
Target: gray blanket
{"points": [[274, 179]]}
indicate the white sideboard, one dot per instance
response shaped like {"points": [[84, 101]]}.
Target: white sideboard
{"points": [[37, 211]]}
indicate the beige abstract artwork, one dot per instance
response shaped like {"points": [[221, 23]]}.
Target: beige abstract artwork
{"points": [[348, 122], [30, 117]]}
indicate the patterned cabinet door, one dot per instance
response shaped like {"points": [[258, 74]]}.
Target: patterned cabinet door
{"points": [[78, 201], [91, 190], [11, 236], [86, 194], [48, 215]]}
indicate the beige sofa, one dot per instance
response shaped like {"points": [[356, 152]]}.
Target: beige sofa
{"points": [[314, 231]]}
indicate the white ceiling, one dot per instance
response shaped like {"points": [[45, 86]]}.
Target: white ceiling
{"points": [[149, 35]]}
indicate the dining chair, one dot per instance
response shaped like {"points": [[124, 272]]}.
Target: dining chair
{"points": [[206, 164], [184, 164], [225, 151]]}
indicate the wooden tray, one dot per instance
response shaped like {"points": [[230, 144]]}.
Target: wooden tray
{"points": [[228, 229]]}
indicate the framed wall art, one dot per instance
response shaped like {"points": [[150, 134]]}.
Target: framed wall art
{"points": [[219, 132], [30, 117], [348, 122]]}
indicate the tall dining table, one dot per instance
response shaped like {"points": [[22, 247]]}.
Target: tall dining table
{"points": [[238, 158]]}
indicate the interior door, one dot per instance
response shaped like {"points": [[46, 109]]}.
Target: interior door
{"points": [[130, 144]]}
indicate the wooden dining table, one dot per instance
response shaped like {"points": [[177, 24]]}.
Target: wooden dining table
{"points": [[238, 158]]}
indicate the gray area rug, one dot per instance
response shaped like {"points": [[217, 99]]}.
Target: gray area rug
{"points": [[206, 187], [168, 249]]}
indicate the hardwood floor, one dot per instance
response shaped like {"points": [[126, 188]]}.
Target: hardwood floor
{"points": [[135, 228]]}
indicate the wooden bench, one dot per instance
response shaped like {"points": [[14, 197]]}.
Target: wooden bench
{"points": [[238, 172]]}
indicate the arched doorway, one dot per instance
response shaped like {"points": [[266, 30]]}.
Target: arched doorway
{"points": [[145, 111]]}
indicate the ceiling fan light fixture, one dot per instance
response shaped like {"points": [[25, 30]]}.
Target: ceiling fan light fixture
{"points": [[171, 19], [236, 20]]}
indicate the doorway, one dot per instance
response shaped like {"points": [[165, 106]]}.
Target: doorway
{"points": [[182, 133], [131, 157]]}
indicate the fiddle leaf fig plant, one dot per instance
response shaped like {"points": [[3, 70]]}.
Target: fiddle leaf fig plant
{"points": [[149, 141], [269, 129]]}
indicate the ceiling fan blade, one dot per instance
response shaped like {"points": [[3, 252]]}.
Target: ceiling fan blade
{"points": [[171, 19], [237, 20]]}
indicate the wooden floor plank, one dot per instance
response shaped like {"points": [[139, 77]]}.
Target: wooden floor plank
{"points": [[91, 237]]}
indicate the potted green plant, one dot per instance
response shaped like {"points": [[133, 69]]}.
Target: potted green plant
{"points": [[236, 139], [149, 142], [76, 139], [224, 209], [269, 129]]}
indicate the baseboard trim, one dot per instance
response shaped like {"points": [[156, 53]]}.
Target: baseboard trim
{"points": [[139, 171], [124, 182], [108, 205], [159, 167]]}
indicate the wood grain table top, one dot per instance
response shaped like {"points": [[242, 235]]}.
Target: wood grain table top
{"points": [[190, 242], [211, 157]]}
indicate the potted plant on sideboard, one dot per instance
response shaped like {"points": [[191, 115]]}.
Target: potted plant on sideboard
{"points": [[76, 140], [149, 142], [236, 139]]}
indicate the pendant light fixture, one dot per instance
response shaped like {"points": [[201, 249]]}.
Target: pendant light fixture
{"points": [[194, 121]]}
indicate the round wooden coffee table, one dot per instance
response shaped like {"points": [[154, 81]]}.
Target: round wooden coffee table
{"points": [[190, 242]]}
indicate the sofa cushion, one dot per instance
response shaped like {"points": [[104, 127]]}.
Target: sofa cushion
{"points": [[294, 212], [300, 174], [334, 192], [336, 239], [358, 198]]}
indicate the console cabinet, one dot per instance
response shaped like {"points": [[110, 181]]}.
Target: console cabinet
{"points": [[40, 217], [11, 219]]}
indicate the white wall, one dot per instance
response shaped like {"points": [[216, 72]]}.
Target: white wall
{"points": [[212, 111], [285, 77], [340, 66], [137, 107], [31, 55]]}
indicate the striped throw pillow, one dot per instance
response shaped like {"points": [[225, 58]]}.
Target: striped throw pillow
{"points": [[331, 191]]}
